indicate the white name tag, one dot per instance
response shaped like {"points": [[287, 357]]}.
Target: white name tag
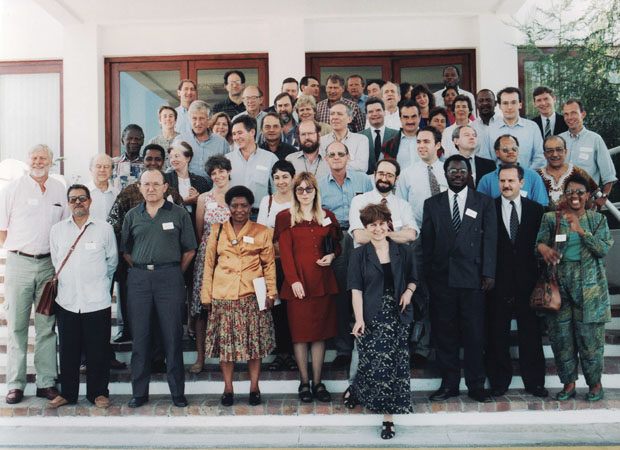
{"points": [[584, 156], [586, 149], [167, 226], [327, 221], [523, 193], [33, 202], [398, 224], [91, 246], [263, 168], [560, 238], [248, 239], [471, 213], [211, 205]]}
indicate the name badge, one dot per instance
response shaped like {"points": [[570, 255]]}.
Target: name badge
{"points": [[211, 205], [397, 224], [248, 239], [167, 226], [523, 193], [584, 156], [560, 238], [471, 213], [327, 221], [263, 168], [586, 149], [33, 202], [91, 246]]}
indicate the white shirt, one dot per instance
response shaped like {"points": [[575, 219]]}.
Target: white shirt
{"points": [[413, 185], [551, 123], [392, 120], [101, 201], [407, 151], [460, 200], [268, 218], [507, 211], [84, 283], [482, 129], [27, 214], [358, 149], [402, 215], [255, 173], [381, 130]]}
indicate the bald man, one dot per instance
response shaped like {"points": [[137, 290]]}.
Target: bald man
{"points": [[102, 191]]}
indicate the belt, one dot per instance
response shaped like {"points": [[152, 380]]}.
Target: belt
{"points": [[17, 252], [155, 266]]}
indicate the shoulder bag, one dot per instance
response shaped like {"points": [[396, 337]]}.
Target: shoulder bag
{"points": [[546, 294]]}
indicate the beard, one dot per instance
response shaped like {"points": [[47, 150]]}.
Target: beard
{"points": [[384, 186], [311, 148], [285, 117], [38, 172]]}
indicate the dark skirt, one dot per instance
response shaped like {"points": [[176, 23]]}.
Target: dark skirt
{"points": [[382, 382]]}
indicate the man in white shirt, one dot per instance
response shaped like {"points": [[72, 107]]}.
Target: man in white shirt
{"points": [[29, 207], [102, 191], [452, 78], [83, 303], [390, 92], [187, 92], [340, 115]]}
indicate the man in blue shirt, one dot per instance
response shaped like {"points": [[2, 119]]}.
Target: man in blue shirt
{"points": [[355, 88], [507, 151]]}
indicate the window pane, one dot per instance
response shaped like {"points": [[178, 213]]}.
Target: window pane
{"points": [[211, 84], [29, 114], [429, 75], [368, 72], [142, 93]]}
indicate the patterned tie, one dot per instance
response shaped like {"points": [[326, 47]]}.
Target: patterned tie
{"points": [[432, 181], [390, 224], [547, 128], [456, 215], [377, 144], [514, 223]]}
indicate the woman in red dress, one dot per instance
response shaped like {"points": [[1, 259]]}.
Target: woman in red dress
{"points": [[309, 238]]}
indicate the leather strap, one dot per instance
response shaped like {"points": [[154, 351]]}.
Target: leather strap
{"points": [[70, 251]]}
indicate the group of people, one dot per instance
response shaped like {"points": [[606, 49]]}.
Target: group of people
{"points": [[275, 230]]}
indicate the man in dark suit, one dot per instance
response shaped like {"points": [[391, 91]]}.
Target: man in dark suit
{"points": [[465, 140], [377, 133], [549, 122], [459, 239], [518, 221]]}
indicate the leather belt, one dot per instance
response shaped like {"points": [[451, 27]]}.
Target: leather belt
{"points": [[155, 266], [17, 252]]}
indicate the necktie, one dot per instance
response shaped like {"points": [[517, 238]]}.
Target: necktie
{"points": [[432, 181], [514, 223], [472, 163], [456, 215], [547, 128], [377, 144], [390, 224]]}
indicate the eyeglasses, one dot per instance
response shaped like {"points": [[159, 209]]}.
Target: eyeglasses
{"points": [[237, 83], [305, 135], [251, 98], [334, 154], [509, 149], [307, 190], [580, 192], [551, 151], [152, 185], [81, 198], [459, 171], [389, 176]]}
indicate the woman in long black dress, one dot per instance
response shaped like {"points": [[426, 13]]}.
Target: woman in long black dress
{"points": [[382, 278]]}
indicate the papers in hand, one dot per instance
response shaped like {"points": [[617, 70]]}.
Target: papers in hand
{"points": [[260, 287]]}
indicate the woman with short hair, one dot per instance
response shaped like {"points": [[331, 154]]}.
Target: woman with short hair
{"points": [[306, 110]]}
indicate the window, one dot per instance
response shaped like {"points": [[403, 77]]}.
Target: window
{"points": [[137, 86]]}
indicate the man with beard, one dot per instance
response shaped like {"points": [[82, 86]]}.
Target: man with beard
{"points": [[271, 137], [309, 159], [485, 105], [452, 78], [129, 166], [334, 89], [284, 108], [234, 81], [187, 92], [337, 191], [29, 207], [459, 252], [340, 115]]}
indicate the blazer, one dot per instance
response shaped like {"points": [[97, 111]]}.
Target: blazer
{"points": [[483, 166], [389, 134], [462, 262], [517, 265], [560, 125], [201, 184], [366, 274]]}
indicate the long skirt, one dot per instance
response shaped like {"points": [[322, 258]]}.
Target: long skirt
{"points": [[382, 380]]}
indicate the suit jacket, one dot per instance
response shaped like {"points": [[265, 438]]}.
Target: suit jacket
{"points": [[366, 274], [560, 125], [517, 265], [483, 166], [460, 260], [389, 133]]}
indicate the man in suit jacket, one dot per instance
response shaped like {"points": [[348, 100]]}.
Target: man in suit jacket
{"points": [[459, 239], [377, 132], [465, 140], [518, 221], [549, 122]]}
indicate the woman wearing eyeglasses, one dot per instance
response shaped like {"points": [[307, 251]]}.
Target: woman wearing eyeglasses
{"points": [[309, 239], [577, 330]]}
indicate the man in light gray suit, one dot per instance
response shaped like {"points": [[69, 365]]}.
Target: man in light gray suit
{"points": [[377, 133]]}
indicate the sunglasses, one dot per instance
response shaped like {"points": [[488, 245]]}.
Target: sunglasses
{"points": [[307, 190], [580, 192], [81, 198], [509, 149]]}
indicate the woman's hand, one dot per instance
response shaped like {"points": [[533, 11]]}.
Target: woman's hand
{"points": [[298, 289], [192, 197], [551, 256], [405, 299], [358, 328], [326, 260], [573, 221]]}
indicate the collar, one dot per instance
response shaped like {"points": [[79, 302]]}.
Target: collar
{"points": [[404, 136], [89, 221], [167, 206], [346, 136], [520, 123], [461, 195], [92, 187], [551, 117], [34, 183], [125, 158], [347, 175], [377, 195], [381, 129], [506, 202], [576, 136]]}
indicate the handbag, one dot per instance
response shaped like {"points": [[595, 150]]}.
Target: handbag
{"points": [[546, 293], [328, 244], [47, 302]]}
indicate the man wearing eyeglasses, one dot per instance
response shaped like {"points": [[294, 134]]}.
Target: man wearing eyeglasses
{"points": [[507, 152], [83, 302], [158, 244], [309, 158], [253, 101], [234, 82]]}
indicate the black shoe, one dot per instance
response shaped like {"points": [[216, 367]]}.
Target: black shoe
{"points": [[342, 362], [538, 391], [254, 398], [179, 401], [158, 367], [443, 394], [498, 392], [319, 391], [121, 337], [136, 402], [227, 399], [480, 395], [387, 430], [305, 395]]}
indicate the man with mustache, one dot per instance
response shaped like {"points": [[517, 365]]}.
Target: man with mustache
{"points": [[271, 136], [309, 158], [284, 107]]}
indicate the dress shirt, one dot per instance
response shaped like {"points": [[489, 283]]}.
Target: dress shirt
{"points": [[356, 125], [407, 151], [530, 142], [184, 124], [318, 167], [588, 151], [229, 107], [448, 144], [358, 149], [255, 173], [414, 187], [259, 121], [84, 283], [482, 129], [401, 211], [101, 201], [126, 172], [543, 121], [27, 214], [361, 102], [533, 186], [507, 211], [381, 132], [460, 200], [290, 137], [213, 145], [338, 198], [267, 215], [439, 98], [392, 120]]}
